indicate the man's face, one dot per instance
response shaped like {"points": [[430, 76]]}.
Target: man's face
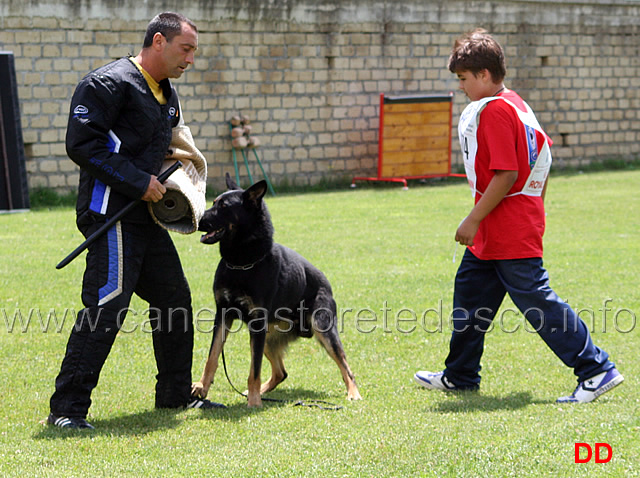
{"points": [[178, 53]]}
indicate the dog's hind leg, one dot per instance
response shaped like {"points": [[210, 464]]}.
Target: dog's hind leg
{"points": [[326, 331], [274, 353], [220, 332], [332, 344]]}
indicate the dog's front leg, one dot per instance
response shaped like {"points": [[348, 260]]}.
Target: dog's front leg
{"points": [[201, 388], [257, 349]]}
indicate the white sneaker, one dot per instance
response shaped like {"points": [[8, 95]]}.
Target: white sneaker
{"points": [[593, 387], [434, 381]]}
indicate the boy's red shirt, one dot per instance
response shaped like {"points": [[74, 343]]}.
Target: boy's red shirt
{"points": [[514, 229]]}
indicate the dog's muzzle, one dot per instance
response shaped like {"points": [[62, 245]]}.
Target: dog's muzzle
{"points": [[213, 236]]}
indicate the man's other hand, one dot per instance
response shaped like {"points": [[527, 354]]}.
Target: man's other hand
{"points": [[154, 191]]}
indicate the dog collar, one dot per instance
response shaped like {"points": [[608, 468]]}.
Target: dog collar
{"points": [[245, 267]]}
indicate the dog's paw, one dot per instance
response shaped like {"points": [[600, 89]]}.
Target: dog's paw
{"points": [[199, 390], [355, 395], [254, 403]]}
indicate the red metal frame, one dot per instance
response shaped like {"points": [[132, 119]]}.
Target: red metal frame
{"points": [[403, 179]]}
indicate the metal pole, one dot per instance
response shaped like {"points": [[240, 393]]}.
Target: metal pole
{"points": [[246, 163], [273, 193]]}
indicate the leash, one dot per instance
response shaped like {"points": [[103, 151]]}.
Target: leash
{"points": [[321, 404]]}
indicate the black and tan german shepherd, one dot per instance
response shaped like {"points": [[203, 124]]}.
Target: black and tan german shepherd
{"points": [[279, 294]]}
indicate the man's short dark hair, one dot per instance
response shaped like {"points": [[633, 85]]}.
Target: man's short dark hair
{"points": [[476, 51], [167, 23]]}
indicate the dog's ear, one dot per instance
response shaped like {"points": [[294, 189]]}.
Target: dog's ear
{"points": [[256, 192], [230, 182]]}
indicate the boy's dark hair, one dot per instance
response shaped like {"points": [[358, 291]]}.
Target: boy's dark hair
{"points": [[476, 51], [167, 23]]}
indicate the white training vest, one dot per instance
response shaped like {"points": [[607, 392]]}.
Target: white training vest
{"points": [[539, 160]]}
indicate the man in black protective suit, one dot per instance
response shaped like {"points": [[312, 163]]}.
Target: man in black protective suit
{"points": [[119, 132]]}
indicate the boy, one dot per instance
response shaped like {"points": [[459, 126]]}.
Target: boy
{"points": [[507, 160]]}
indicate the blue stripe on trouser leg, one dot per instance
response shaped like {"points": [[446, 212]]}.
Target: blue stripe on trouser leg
{"points": [[113, 287]]}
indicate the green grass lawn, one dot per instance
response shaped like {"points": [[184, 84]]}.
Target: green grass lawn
{"points": [[388, 254]]}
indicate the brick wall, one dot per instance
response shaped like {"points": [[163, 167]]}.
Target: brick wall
{"points": [[309, 74]]}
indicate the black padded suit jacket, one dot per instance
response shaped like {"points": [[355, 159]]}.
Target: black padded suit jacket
{"points": [[119, 134]]}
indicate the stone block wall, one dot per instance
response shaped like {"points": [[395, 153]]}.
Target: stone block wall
{"points": [[309, 74]]}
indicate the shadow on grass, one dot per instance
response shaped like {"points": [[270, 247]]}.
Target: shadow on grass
{"points": [[279, 399], [123, 425], [151, 421], [477, 402]]}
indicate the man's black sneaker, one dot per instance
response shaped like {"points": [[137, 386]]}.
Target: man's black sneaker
{"points": [[68, 422], [203, 403]]}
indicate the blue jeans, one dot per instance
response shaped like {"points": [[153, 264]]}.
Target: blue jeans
{"points": [[480, 288]]}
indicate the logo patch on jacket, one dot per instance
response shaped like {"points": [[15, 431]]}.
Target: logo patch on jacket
{"points": [[80, 110]]}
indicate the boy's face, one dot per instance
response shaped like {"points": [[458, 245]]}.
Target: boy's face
{"points": [[477, 86]]}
